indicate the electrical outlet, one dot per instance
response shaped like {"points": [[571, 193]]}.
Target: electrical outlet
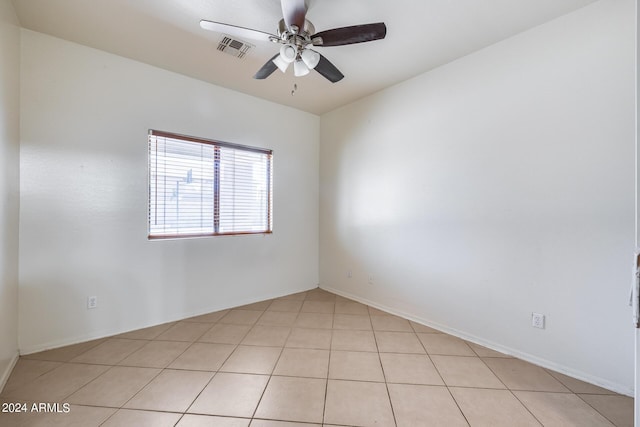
{"points": [[92, 302], [537, 320], [349, 274], [370, 280]]}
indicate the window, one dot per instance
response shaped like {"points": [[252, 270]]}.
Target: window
{"points": [[199, 187]]}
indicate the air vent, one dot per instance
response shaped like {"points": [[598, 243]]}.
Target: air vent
{"points": [[234, 47]]}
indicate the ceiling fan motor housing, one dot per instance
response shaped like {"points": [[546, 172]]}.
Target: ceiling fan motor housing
{"points": [[307, 29]]}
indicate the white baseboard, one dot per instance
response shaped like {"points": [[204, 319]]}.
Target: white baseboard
{"points": [[7, 372], [174, 318], [582, 376]]}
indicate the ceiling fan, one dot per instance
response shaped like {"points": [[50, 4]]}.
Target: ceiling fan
{"points": [[296, 36]]}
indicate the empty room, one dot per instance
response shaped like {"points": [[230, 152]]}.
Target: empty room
{"points": [[281, 213]]}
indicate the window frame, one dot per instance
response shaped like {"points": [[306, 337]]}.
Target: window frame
{"points": [[217, 179]]}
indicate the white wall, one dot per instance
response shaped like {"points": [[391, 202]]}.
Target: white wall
{"points": [[9, 185], [496, 186], [84, 121]]}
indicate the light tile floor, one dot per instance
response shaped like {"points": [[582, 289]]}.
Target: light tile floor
{"points": [[308, 359]]}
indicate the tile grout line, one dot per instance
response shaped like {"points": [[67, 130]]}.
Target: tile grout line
{"points": [[4, 393], [595, 409], [135, 394], [225, 360], [217, 371], [510, 391], [442, 378], [326, 383], [274, 365], [386, 385], [166, 367]]}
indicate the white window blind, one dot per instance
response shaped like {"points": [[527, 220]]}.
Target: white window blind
{"points": [[199, 187]]}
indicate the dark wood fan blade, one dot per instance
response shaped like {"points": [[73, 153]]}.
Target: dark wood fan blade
{"points": [[328, 70], [267, 69], [294, 12], [351, 35], [233, 30]]}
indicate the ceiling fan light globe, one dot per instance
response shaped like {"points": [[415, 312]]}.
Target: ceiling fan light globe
{"points": [[288, 53], [281, 63], [300, 69], [310, 58]]}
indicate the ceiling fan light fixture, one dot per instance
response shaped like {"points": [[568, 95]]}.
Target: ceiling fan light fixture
{"points": [[300, 69], [281, 63], [288, 53], [310, 58]]}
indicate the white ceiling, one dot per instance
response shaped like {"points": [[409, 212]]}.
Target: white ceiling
{"points": [[421, 35]]}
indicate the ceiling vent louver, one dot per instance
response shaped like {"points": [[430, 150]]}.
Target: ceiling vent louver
{"points": [[234, 47]]}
